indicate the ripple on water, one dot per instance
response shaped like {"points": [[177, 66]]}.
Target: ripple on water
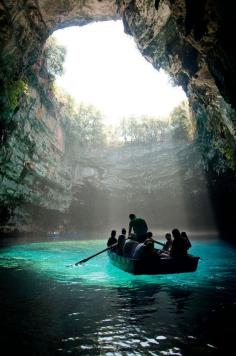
{"points": [[134, 314], [50, 259]]}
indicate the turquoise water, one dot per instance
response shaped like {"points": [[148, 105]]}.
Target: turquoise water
{"points": [[52, 308]]}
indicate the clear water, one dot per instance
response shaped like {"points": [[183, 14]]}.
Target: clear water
{"points": [[48, 308]]}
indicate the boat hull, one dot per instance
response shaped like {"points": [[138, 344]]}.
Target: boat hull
{"points": [[163, 265]]}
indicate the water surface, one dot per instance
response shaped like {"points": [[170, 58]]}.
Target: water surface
{"points": [[49, 308]]}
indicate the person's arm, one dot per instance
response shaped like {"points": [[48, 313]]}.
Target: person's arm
{"points": [[145, 225], [130, 228], [188, 242]]}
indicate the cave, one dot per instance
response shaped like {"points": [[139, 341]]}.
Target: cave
{"points": [[192, 41]]}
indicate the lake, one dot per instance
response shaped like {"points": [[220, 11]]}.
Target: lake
{"points": [[48, 308]]}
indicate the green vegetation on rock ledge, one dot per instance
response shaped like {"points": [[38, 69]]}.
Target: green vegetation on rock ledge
{"points": [[85, 126], [11, 97], [55, 57]]}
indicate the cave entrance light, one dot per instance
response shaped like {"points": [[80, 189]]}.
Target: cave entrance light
{"points": [[104, 68]]}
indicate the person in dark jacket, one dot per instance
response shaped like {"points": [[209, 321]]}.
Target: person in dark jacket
{"points": [[112, 239], [139, 227], [185, 236], [129, 246], [121, 242], [168, 244], [179, 246], [144, 250]]}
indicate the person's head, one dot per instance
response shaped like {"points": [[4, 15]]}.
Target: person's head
{"points": [[132, 216], [183, 234], [149, 244], [149, 234], [123, 231], [168, 236], [176, 233], [132, 237], [113, 233]]}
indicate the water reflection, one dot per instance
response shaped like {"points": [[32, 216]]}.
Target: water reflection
{"points": [[181, 298], [100, 310]]}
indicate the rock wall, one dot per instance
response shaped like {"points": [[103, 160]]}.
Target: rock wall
{"points": [[191, 40], [164, 182], [35, 180], [187, 39]]}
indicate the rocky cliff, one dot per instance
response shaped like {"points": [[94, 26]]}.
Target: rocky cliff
{"points": [[191, 40], [35, 180], [165, 182]]}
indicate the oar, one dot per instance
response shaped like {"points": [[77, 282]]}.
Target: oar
{"points": [[159, 243], [96, 254]]}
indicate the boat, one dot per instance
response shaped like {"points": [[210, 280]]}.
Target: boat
{"points": [[155, 265]]}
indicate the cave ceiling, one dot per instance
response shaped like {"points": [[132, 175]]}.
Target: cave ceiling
{"points": [[191, 40]]}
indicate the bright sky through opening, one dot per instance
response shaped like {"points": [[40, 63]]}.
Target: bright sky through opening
{"points": [[103, 67]]}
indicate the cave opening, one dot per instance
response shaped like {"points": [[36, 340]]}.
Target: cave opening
{"points": [[147, 132], [36, 180], [52, 173]]}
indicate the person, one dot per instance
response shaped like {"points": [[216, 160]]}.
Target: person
{"points": [[168, 244], [139, 227], [179, 245], [149, 235], [129, 246], [185, 236], [112, 239], [121, 242], [144, 249]]}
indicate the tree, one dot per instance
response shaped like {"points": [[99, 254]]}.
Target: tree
{"points": [[142, 129], [54, 54], [183, 128], [82, 121], [88, 126]]}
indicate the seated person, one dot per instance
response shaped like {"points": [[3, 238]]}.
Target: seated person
{"points": [[144, 237], [129, 247], [179, 246], [144, 250], [149, 235], [121, 242], [168, 244], [185, 236], [112, 239]]}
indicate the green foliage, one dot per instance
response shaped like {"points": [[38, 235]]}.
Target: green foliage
{"points": [[227, 148], [10, 98], [55, 57], [83, 122], [85, 127], [181, 122], [88, 127], [143, 129], [14, 90]]}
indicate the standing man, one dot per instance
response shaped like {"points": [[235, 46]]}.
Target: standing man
{"points": [[139, 227]]}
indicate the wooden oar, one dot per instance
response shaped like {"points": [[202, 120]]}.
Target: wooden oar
{"points": [[159, 243], [88, 258]]}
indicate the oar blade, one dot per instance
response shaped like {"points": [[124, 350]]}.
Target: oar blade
{"points": [[80, 263], [96, 254]]}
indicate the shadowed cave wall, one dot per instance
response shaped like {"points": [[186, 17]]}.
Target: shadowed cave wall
{"points": [[191, 40]]}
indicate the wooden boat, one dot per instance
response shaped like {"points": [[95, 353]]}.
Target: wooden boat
{"points": [[156, 265]]}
